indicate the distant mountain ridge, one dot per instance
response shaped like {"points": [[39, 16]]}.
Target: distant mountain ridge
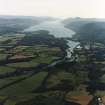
{"points": [[76, 23], [17, 24]]}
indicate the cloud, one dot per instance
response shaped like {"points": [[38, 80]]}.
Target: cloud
{"points": [[58, 8]]}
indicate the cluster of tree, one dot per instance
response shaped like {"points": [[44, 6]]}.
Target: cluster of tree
{"points": [[89, 36], [42, 37], [91, 33], [45, 99]]}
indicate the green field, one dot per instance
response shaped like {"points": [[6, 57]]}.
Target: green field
{"points": [[6, 69], [25, 86]]}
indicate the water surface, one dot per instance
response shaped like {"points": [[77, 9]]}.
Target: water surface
{"points": [[57, 29]]}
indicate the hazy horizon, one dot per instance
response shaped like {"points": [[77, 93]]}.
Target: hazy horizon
{"points": [[54, 8]]}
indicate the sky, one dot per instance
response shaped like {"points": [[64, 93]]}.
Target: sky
{"points": [[54, 8]]}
